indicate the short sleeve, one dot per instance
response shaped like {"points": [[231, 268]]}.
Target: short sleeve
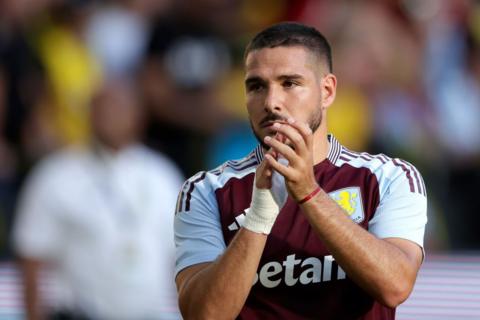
{"points": [[37, 230], [198, 232], [401, 213]]}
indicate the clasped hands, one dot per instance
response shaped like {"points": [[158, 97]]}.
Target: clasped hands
{"points": [[291, 157]]}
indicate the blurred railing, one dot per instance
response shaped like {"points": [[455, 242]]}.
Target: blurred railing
{"points": [[448, 287]]}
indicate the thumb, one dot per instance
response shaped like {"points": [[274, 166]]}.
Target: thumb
{"points": [[263, 176]]}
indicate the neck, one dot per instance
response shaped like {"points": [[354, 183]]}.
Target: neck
{"points": [[321, 145], [108, 149]]}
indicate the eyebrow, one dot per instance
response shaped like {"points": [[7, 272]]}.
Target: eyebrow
{"points": [[290, 77], [257, 79]]}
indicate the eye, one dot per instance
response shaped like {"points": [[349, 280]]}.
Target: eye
{"points": [[289, 84], [254, 87]]}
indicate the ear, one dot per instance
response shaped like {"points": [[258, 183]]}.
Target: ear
{"points": [[329, 90]]}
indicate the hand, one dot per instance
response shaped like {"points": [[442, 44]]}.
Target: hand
{"points": [[264, 173], [297, 149], [266, 204]]}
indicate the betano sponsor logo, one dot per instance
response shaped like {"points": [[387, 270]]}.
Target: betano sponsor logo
{"points": [[312, 270]]}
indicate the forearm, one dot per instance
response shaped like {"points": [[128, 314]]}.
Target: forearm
{"points": [[380, 268], [219, 290], [386, 268]]}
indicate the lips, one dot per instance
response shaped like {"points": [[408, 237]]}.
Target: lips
{"points": [[268, 124], [269, 120]]}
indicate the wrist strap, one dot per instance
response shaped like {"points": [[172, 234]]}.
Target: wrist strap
{"points": [[310, 195]]}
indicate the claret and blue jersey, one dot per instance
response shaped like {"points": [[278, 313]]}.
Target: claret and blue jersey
{"points": [[297, 277]]}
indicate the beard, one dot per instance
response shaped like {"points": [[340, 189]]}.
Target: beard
{"points": [[314, 122]]}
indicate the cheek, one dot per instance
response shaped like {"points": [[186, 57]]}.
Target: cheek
{"points": [[303, 103], [311, 96], [254, 107]]}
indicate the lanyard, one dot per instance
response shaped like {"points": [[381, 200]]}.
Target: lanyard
{"points": [[123, 211]]}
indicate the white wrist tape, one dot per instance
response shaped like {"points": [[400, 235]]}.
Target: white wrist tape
{"points": [[263, 211]]}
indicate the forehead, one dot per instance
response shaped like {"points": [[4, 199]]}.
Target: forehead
{"points": [[278, 61]]}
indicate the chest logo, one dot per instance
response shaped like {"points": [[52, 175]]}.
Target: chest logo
{"points": [[350, 200]]}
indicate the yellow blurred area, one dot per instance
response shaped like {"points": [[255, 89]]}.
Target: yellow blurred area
{"points": [[350, 118], [73, 75], [475, 22], [231, 93], [258, 14]]}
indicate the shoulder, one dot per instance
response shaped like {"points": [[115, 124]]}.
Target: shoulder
{"points": [[387, 170], [60, 162], [205, 183], [232, 169], [155, 162], [54, 175]]}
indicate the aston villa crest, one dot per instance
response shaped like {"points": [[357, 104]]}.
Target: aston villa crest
{"points": [[350, 199]]}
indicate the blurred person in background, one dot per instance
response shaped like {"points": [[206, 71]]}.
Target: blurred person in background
{"points": [[21, 87], [117, 33], [452, 83], [302, 227], [21, 69], [8, 171], [73, 72], [99, 218], [187, 56]]}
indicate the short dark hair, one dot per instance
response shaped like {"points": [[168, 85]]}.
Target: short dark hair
{"points": [[289, 34]]}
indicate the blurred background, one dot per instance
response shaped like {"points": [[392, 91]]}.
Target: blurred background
{"points": [[408, 86]]}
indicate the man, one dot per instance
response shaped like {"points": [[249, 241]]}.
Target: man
{"points": [[345, 244], [100, 218]]}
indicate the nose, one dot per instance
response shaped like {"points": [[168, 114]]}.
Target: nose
{"points": [[273, 100]]}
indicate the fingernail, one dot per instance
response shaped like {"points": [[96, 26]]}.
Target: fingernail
{"points": [[276, 125], [290, 120], [267, 138]]}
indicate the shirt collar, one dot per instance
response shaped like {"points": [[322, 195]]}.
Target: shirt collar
{"points": [[334, 150], [108, 155]]}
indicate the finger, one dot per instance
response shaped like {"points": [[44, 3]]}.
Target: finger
{"points": [[272, 152], [281, 148], [294, 136], [280, 137], [263, 175], [304, 129], [287, 172]]}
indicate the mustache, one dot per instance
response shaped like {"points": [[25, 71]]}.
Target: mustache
{"points": [[272, 117]]}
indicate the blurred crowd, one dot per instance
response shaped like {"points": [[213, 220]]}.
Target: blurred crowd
{"points": [[408, 71]]}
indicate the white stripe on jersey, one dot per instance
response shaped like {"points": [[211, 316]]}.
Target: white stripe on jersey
{"points": [[217, 177], [384, 167]]}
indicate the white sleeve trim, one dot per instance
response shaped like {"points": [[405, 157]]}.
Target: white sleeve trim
{"points": [[400, 214], [198, 231]]}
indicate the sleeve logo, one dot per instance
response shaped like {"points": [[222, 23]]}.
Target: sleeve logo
{"points": [[350, 200]]}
